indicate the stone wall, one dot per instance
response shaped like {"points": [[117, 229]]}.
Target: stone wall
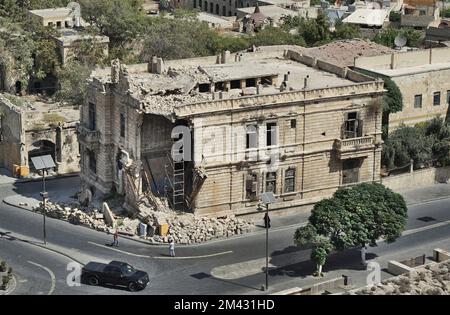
{"points": [[417, 179], [12, 135]]}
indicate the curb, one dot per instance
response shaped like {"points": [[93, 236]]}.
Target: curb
{"points": [[28, 180], [257, 232], [11, 288]]}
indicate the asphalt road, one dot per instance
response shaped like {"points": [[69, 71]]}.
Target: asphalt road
{"points": [[40, 271]]}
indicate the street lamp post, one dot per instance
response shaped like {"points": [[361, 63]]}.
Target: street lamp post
{"points": [[44, 163], [267, 198]]}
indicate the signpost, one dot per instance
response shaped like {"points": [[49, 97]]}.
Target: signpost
{"points": [[44, 163], [267, 198]]}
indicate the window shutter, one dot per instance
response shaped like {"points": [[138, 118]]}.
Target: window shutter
{"points": [[360, 125]]}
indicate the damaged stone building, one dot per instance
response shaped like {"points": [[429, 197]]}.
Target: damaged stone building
{"points": [[210, 134], [32, 127]]}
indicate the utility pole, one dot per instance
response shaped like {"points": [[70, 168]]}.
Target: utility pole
{"points": [[44, 195], [44, 163], [267, 198]]}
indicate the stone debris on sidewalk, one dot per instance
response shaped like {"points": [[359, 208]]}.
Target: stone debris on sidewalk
{"points": [[183, 228]]}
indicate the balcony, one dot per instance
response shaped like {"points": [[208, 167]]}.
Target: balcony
{"points": [[89, 138], [354, 147]]}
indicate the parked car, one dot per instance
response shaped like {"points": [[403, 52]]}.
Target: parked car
{"points": [[116, 273]]}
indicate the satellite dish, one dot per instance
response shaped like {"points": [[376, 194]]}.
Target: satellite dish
{"points": [[376, 5], [400, 41], [75, 9]]}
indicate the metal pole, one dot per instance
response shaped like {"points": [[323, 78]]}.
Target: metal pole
{"points": [[45, 209], [267, 247]]}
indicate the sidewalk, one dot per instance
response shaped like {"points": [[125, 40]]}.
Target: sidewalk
{"points": [[412, 197]]}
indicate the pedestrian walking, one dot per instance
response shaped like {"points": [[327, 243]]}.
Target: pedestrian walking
{"points": [[116, 238], [266, 221], [172, 248]]}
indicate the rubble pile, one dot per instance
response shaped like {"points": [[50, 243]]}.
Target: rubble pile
{"points": [[432, 279], [89, 217], [183, 228], [188, 228]]}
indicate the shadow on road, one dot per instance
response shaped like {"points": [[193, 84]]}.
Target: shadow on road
{"points": [[348, 259], [203, 275]]}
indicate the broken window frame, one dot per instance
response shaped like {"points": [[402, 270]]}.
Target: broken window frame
{"points": [[235, 84], [353, 126], [271, 182], [289, 180], [92, 116], [436, 98], [271, 134], [251, 186], [204, 88]]}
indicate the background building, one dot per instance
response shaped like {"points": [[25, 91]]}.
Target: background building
{"points": [[423, 79]]}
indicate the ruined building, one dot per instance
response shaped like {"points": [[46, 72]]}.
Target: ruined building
{"points": [[32, 127], [210, 134]]}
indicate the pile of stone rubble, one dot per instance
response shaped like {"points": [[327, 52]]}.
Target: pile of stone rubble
{"points": [[188, 228], [183, 228], [432, 279]]}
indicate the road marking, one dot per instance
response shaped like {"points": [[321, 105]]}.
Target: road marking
{"points": [[160, 257], [52, 276], [426, 227], [255, 266]]}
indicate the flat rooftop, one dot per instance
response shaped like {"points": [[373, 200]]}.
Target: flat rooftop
{"points": [[160, 93], [67, 36], [411, 70], [52, 13]]}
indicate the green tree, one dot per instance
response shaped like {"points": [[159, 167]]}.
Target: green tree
{"points": [[72, 80], [387, 37], [353, 217], [276, 36], [346, 30]]}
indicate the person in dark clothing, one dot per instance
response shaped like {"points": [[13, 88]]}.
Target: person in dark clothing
{"points": [[266, 221]]}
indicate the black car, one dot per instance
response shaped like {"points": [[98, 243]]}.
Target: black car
{"points": [[115, 273]]}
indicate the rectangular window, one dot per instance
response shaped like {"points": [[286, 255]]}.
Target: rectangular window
{"points": [[92, 117], [58, 24], [418, 101], [250, 82], [293, 123], [271, 182], [352, 126], [235, 84], [289, 181], [448, 97], [122, 125], [252, 137], [251, 186], [92, 162], [271, 129], [350, 171], [437, 98], [203, 88]]}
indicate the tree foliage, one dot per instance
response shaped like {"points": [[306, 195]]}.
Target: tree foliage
{"points": [[426, 144], [387, 37], [353, 217]]}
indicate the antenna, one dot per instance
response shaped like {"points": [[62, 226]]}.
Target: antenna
{"points": [[400, 41]]}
